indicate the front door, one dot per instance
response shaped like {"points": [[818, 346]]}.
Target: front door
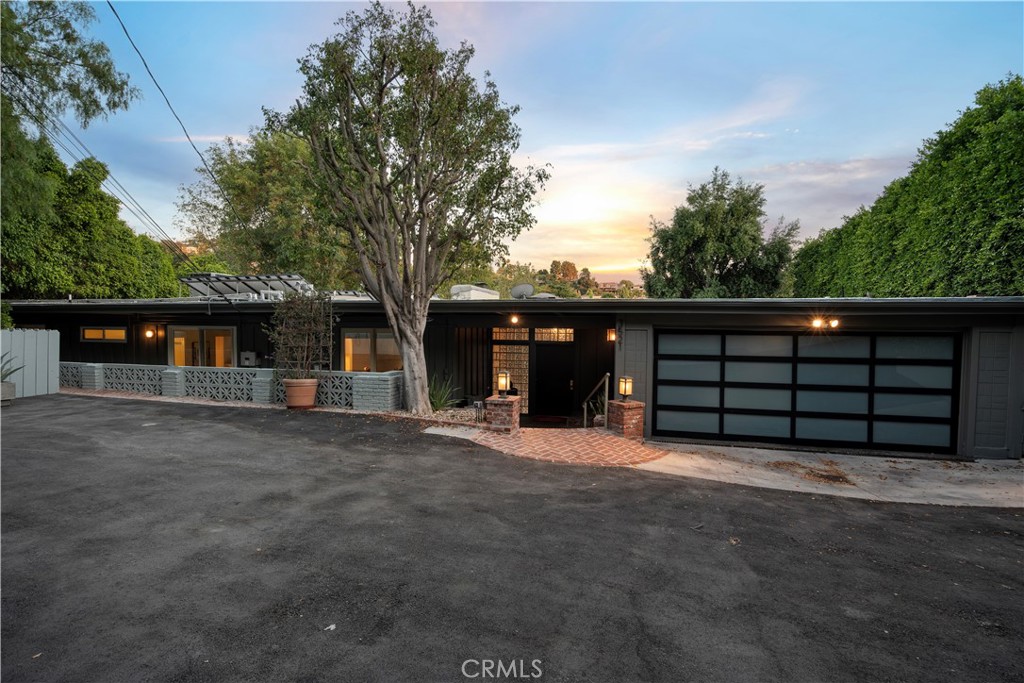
{"points": [[554, 389]]}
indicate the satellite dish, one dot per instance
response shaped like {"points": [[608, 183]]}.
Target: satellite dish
{"points": [[522, 291]]}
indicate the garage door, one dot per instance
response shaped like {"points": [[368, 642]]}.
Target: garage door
{"points": [[893, 392]]}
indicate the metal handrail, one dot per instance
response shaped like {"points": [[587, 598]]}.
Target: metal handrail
{"points": [[586, 401]]}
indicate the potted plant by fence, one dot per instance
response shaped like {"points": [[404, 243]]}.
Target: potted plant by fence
{"points": [[301, 334], [7, 389]]}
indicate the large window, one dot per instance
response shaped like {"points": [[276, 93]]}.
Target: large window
{"points": [[212, 347], [370, 351]]}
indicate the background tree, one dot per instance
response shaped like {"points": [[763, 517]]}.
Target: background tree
{"points": [[277, 221], [953, 226], [61, 234], [715, 246], [416, 158], [48, 67], [586, 285], [83, 249], [628, 290]]}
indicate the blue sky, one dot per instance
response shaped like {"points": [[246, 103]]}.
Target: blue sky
{"points": [[823, 103]]}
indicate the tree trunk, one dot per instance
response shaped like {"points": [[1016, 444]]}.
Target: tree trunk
{"points": [[414, 367]]}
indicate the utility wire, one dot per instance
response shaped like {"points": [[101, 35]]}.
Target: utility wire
{"points": [[216, 182]]}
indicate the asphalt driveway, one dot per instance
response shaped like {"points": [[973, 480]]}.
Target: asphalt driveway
{"points": [[155, 541]]}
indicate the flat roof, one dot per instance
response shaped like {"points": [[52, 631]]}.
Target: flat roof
{"points": [[359, 301]]}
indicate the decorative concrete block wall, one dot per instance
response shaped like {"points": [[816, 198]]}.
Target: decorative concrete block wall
{"points": [[377, 390], [626, 418], [359, 390], [502, 413]]}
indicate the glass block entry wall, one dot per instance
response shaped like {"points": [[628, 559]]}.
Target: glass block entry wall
{"points": [[879, 391]]}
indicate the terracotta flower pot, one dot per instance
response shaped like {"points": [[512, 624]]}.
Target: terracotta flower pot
{"points": [[300, 393]]}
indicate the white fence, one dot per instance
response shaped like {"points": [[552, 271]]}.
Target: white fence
{"points": [[39, 352]]}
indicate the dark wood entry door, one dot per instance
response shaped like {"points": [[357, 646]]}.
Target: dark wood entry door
{"points": [[554, 387]]}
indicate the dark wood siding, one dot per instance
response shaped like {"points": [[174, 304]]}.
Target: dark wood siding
{"points": [[473, 361]]}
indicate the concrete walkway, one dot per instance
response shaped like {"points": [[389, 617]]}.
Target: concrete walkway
{"points": [[987, 483]]}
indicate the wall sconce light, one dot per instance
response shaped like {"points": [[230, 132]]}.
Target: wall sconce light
{"points": [[514, 319], [504, 378], [823, 324], [150, 332], [625, 387], [610, 335]]}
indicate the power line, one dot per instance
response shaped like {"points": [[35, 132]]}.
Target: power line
{"points": [[216, 182]]}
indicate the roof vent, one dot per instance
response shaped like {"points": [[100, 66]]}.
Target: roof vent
{"points": [[271, 295]]}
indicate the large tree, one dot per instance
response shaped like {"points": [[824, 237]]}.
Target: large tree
{"points": [[416, 157], [715, 246], [953, 226], [265, 215]]}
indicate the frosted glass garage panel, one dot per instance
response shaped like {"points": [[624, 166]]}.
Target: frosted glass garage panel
{"points": [[758, 399], [702, 397], [833, 374], [914, 376], [831, 430], [693, 344], [758, 345], [757, 425], [834, 347], [914, 405], [679, 421], [832, 402], [692, 370], [912, 434], [778, 373], [939, 348]]}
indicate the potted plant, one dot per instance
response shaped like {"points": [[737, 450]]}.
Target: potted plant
{"points": [[7, 389], [300, 332]]}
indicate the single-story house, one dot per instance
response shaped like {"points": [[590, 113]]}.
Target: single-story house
{"points": [[927, 375]]}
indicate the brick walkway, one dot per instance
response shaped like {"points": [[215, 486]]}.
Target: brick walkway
{"points": [[571, 446]]}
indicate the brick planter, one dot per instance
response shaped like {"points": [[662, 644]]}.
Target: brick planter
{"points": [[502, 414], [626, 418]]}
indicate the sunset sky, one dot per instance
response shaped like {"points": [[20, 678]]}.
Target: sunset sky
{"points": [[823, 103]]}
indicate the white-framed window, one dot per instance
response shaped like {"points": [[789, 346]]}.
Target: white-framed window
{"points": [[369, 350], [117, 335], [201, 346]]}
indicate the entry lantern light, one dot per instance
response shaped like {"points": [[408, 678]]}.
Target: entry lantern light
{"points": [[150, 332], [625, 387], [610, 334], [504, 378]]}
